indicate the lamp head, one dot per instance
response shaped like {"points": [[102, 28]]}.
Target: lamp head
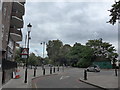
{"points": [[29, 27]]}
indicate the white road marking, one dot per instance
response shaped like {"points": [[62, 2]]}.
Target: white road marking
{"points": [[63, 77]]}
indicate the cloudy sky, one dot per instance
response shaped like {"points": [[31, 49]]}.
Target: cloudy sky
{"points": [[69, 22]]}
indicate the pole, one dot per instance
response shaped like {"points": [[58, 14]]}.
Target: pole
{"points": [[35, 71], [115, 71], [43, 53], [43, 48], [54, 69], [25, 40], [25, 47], [27, 58], [85, 74], [50, 70], [43, 71], [58, 68]]}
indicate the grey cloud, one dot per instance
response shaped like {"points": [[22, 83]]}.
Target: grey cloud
{"points": [[69, 22]]}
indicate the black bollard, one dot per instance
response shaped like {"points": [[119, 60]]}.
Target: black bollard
{"points": [[3, 77], [34, 71], [43, 71], [58, 69], [85, 74], [50, 70], [115, 71], [54, 69]]}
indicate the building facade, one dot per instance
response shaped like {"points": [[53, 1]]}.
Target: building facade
{"points": [[12, 23]]}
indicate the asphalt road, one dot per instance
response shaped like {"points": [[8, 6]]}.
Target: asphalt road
{"points": [[68, 79]]}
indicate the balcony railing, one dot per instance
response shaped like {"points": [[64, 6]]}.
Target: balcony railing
{"points": [[15, 34], [21, 1], [16, 14], [16, 21]]}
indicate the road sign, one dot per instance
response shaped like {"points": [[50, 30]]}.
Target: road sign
{"points": [[24, 51], [24, 56]]}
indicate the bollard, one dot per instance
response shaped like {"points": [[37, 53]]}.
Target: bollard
{"points": [[43, 71], [115, 72], [54, 69], [50, 70], [85, 74], [34, 72], [58, 69]]}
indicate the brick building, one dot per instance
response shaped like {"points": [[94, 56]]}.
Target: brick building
{"points": [[11, 24]]}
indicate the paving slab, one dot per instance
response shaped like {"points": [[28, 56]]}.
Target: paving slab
{"points": [[19, 83], [106, 80]]}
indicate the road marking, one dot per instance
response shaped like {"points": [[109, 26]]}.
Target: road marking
{"points": [[63, 77]]}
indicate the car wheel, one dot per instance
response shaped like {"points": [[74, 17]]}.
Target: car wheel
{"points": [[88, 70], [96, 70]]}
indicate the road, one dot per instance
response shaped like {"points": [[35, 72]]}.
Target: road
{"points": [[68, 79]]}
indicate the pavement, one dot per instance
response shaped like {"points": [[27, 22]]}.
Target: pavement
{"points": [[19, 83], [108, 80]]}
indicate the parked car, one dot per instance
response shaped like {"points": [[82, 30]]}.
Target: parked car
{"points": [[50, 65], [93, 68]]}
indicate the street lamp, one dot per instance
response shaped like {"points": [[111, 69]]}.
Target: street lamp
{"points": [[29, 26], [43, 47], [43, 43]]}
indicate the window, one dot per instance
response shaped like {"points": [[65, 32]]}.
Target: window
{"points": [[2, 30], [5, 11], [11, 44]]}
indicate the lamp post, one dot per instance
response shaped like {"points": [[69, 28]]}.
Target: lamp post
{"points": [[29, 30], [43, 43], [43, 47]]}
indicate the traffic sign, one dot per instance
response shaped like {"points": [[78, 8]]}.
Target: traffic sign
{"points": [[24, 56], [24, 51]]}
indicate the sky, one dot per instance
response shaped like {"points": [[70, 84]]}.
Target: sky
{"points": [[69, 22]]}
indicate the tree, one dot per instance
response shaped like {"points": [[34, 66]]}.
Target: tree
{"points": [[63, 58], [115, 13], [39, 60], [53, 49], [80, 55], [102, 50], [32, 60]]}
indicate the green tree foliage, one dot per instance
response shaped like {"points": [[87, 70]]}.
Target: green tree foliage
{"points": [[80, 55], [102, 50], [63, 54], [32, 60], [53, 49], [115, 13], [39, 60], [46, 60]]}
